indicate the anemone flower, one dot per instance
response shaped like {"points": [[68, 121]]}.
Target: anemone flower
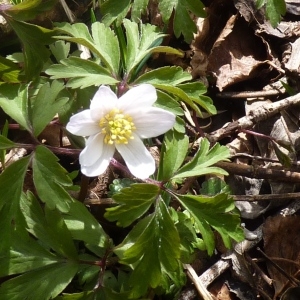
{"points": [[120, 123]]}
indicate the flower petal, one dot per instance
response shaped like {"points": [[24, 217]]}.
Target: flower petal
{"points": [[82, 124], [153, 122], [103, 101], [100, 165], [138, 97], [93, 150], [138, 159], [95, 157]]}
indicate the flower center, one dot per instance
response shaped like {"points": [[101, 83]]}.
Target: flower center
{"points": [[117, 127]]}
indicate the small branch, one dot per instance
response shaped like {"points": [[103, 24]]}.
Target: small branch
{"points": [[249, 94], [84, 187], [266, 197], [282, 175], [255, 116], [203, 292]]}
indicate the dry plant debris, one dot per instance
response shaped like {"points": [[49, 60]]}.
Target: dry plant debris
{"points": [[252, 73]]}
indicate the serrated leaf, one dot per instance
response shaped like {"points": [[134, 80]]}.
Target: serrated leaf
{"points": [[11, 182], [138, 8], [135, 201], [114, 10], [5, 143], [50, 179], [165, 76], [274, 10], [14, 102], [29, 9], [107, 44], [11, 186], [195, 91], [34, 38], [154, 245], [93, 235], [9, 71], [216, 212], [46, 105], [60, 50], [179, 93], [173, 153], [103, 42], [141, 42], [48, 227], [203, 161], [104, 293], [26, 254], [179, 125], [214, 186], [44, 283], [166, 102], [81, 73], [182, 22]]}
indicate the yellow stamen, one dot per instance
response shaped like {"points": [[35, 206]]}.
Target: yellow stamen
{"points": [[116, 127]]}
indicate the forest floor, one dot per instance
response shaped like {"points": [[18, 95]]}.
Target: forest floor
{"points": [[251, 71]]}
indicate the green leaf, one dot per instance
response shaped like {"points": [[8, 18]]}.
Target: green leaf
{"points": [[135, 201], [9, 71], [107, 44], [50, 179], [173, 153], [114, 10], [214, 186], [274, 10], [46, 105], [34, 38], [165, 76], [103, 42], [141, 42], [188, 236], [152, 245], [29, 9], [260, 3], [168, 79], [217, 212], [48, 227], [203, 161], [178, 92], [42, 283], [118, 184], [138, 8], [166, 102], [105, 293], [182, 23], [195, 91], [26, 254], [82, 73], [11, 186], [60, 50], [14, 102], [84, 227], [11, 182], [5, 143]]}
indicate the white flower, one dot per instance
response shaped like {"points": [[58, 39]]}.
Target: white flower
{"points": [[113, 123]]}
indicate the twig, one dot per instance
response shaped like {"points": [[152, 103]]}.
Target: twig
{"points": [[255, 116], [203, 292], [266, 197], [249, 94], [252, 171]]}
